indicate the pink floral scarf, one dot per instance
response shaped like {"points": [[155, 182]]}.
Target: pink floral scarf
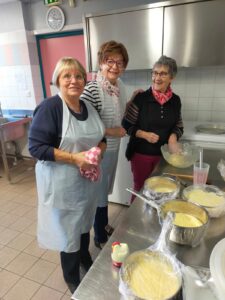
{"points": [[112, 90], [162, 98]]}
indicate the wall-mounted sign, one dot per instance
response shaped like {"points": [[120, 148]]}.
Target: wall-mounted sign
{"points": [[52, 2]]}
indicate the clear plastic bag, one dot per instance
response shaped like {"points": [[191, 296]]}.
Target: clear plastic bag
{"points": [[198, 284], [152, 273]]}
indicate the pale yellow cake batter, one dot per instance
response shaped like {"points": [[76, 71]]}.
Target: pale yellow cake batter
{"points": [[153, 278], [205, 198], [186, 220], [160, 185]]}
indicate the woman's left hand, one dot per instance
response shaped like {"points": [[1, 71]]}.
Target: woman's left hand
{"points": [[172, 138], [173, 145], [133, 96]]}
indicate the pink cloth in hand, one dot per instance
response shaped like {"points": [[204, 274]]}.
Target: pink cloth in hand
{"points": [[92, 157]]}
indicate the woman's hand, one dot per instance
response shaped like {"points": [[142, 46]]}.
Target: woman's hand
{"points": [[81, 161], [134, 95], [173, 145], [115, 132], [172, 138], [150, 137]]}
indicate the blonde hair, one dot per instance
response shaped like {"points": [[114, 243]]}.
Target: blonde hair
{"points": [[67, 63], [112, 47]]}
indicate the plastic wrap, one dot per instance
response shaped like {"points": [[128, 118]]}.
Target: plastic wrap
{"points": [[161, 188], [153, 273], [208, 196], [198, 284], [217, 268], [221, 168]]}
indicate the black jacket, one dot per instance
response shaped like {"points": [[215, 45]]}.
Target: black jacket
{"points": [[152, 117]]}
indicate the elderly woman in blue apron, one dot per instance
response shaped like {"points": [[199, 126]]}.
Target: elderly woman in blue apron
{"points": [[63, 130]]}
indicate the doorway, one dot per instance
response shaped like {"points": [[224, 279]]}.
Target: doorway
{"points": [[51, 47]]}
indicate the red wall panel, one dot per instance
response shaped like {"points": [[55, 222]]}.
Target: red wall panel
{"points": [[52, 49]]}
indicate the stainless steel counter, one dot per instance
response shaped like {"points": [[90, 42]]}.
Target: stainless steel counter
{"points": [[139, 229]]}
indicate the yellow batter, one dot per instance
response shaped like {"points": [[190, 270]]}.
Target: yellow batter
{"points": [[186, 220], [205, 198], [161, 185], [179, 160], [152, 277]]}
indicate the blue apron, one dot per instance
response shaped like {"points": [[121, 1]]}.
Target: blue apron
{"points": [[67, 201]]}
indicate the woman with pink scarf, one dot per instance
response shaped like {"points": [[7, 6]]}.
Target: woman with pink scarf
{"points": [[152, 119]]}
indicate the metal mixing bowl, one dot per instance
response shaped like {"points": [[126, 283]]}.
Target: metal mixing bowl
{"points": [[190, 236], [170, 188], [132, 261], [183, 158]]}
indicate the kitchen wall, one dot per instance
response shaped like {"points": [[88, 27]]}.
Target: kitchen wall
{"points": [[202, 90], [20, 88]]}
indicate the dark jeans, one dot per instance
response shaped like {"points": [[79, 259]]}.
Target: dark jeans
{"points": [[101, 220], [71, 262]]}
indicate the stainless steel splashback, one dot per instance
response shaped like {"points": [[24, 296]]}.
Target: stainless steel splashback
{"points": [[140, 32], [194, 33], [190, 31]]}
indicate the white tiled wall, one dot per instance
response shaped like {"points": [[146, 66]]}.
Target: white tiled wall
{"points": [[202, 91], [19, 71]]}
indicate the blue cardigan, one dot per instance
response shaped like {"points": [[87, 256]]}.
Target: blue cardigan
{"points": [[46, 128]]}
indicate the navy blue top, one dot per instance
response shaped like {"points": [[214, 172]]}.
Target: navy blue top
{"points": [[46, 128]]}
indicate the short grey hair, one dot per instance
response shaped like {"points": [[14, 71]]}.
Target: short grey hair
{"points": [[169, 62], [67, 63]]}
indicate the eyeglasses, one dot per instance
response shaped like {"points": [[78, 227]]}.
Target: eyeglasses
{"points": [[111, 63], [68, 77], [161, 74]]}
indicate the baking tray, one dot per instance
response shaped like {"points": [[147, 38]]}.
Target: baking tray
{"points": [[210, 128]]}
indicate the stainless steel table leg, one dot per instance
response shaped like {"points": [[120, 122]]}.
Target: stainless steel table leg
{"points": [[4, 158]]}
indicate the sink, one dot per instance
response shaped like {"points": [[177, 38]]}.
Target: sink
{"points": [[11, 129]]}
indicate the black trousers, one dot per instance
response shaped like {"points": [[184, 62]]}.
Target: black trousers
{"points": [[101, 220], [71, 262]]}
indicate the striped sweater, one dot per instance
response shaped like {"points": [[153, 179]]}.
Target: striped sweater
{"points": [[109, 108]]}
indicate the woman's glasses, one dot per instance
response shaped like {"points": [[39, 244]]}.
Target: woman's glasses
{"points": [[68, 77], [111, 63], [161, 74]]}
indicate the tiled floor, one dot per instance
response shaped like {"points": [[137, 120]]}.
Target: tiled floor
{"points": [[27, 271]]}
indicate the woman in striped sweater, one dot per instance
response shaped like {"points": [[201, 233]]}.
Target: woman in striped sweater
{"points": [[107, 94]]}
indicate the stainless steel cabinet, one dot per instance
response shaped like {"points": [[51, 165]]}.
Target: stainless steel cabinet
{"points": [[139, 30], [194, 33]]}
